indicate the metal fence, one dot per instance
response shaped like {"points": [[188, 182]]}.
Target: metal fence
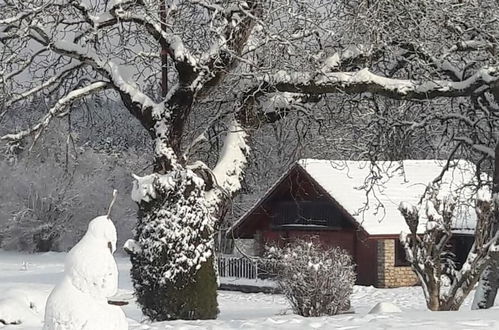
{"points": [[237, 267]]}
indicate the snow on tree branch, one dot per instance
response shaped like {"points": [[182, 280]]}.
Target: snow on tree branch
{"points": [[489, 152], [232, 159], [54, 80], [231, 164], [441, 64], [173, 42], [467, 45], [108, 68], [4, 76], [22, 15], [208, 5], [143, 188], [353, 54], [364, 81], [124, 87], [57, 110]]}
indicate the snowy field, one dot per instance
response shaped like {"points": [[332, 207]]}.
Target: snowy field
{"points": [[34, 276]]}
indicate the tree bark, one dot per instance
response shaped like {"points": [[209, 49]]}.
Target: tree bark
{"points": [[485, 294], [164, 51], [434, 302]]}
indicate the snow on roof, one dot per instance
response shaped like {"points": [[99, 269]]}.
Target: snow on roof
{"points": [[372, 191]]}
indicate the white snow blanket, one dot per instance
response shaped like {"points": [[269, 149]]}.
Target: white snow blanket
{"points": [[243, 310], [20, 306], [385, 307], [79, 301]]}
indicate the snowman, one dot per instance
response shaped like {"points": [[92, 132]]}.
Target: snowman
{"points": [[80, 300]]}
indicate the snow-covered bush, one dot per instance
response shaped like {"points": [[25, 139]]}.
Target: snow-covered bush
{"points": [[445, 287], [172, 253], [315, 280], [41, 219], [35, 203]]}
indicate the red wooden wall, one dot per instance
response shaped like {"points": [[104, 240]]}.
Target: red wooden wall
{"points": [[298, 186]]}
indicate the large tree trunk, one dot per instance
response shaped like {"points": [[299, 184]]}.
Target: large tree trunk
{"points": [[486, 292], [433, 302], [172, 256], [172, 268]]}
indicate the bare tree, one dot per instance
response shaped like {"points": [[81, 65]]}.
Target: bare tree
{"points": [[444, 285], [225, 61]]}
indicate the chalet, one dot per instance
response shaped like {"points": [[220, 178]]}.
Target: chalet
{"points": [[354, 205]]}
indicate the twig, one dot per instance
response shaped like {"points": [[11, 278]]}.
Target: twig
{"points": [[115, 193]]}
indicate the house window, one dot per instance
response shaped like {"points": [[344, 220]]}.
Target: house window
{"points": [[400, 256], [306, 213], [460, 246]]}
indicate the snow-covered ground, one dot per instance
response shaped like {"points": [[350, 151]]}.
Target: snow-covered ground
{"points": [[33, 277]]}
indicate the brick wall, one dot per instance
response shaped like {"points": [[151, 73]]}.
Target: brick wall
{"points": [[390, 276]]}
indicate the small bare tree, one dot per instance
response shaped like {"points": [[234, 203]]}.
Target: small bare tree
{"points": [[316, 281], [445, 287]]}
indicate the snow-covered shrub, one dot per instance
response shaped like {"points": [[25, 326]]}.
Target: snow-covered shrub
{"points": [[445, 287], [38, 224], [172, 253], [315, 280], [35, 202]]}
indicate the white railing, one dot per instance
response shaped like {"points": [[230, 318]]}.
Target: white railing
{"points": [[237, 267]]}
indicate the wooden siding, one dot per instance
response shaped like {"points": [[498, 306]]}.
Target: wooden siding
{"points": [[263, 224], [306, 213], [366, 259]]}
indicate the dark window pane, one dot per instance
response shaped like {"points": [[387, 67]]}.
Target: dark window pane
{"points": [[302, 213], [400, 257]]}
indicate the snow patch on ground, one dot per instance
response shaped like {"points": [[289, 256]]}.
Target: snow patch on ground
{"points": [[24, 306], [247, 310], [385, 307], [248, 282]]}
